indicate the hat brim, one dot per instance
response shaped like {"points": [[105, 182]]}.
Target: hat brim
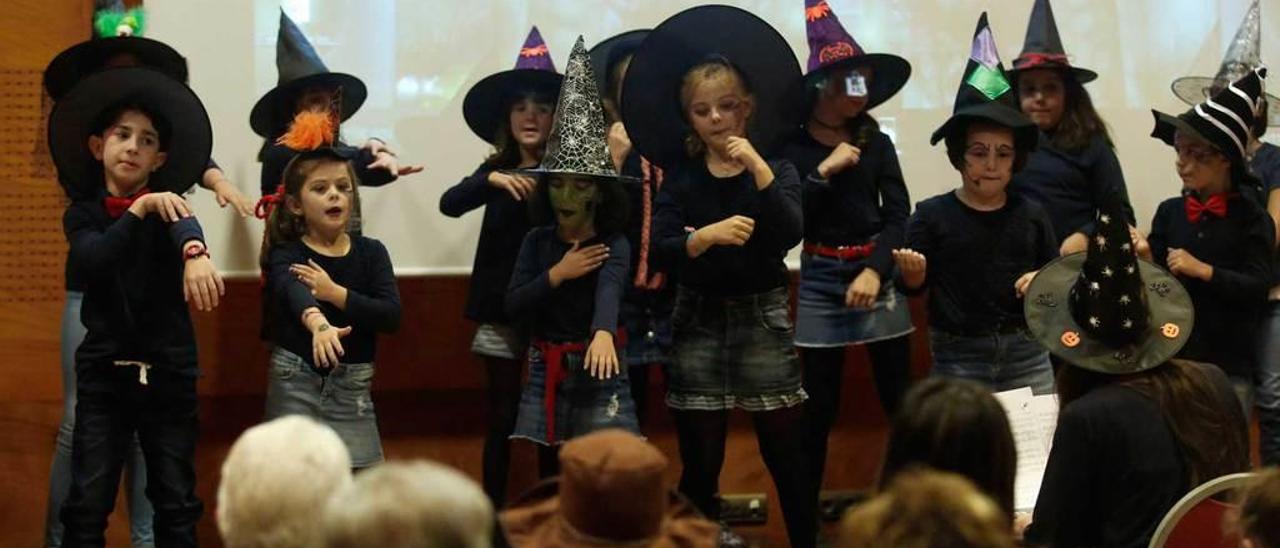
{"points": [[482, 106], [607, 52], [1168, 126], [80, 60], [651, 95], [534, 519], [1082, 75], [889, 73], [1194, 90], [271, 114], [1024, 129], [597, 177], [72, 119], [1049, 319]]}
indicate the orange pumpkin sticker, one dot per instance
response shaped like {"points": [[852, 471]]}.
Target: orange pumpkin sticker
{"points": [[1170, 330], [1070, 339]]}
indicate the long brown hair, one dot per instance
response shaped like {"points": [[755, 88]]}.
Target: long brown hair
{"points": [[283, 225], [1209, 431], [1080, 122]]}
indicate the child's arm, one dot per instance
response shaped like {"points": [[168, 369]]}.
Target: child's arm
{"points": [[530, 284], [895, 209], [911, 260], [781, 222], [476, 190], [378, 309], [201, 282], [216, 181], [377, 165], [1250, 281], [602, 355], [95, 251]]}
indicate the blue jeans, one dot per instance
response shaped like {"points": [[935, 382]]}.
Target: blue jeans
{"points": [[340, 399], [1267, 393], [140, 512], [1002, 361]]}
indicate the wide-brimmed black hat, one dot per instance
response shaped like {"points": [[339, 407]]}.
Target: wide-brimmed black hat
{"points": [[1224, 120], [1105, 309], [116, 32], [985, 93], [651, 107], [73, 117], [1042, 48], [832, 48], [577, 145], [534, 74], [300, 68], [607, 53], [1243, 55]]}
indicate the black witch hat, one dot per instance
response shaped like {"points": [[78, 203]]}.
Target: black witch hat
{"points": [[116, 32], [71, 124], [1224, 120], [610, 51], [1042, 48], [651, 107], [985, 93], [534, 73], [1106, 310], [300, 68]]}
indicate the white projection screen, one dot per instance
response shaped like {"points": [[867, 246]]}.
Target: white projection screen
{"points": [[419, 57]]}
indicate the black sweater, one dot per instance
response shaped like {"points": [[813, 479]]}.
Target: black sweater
{"points": [[578, 308], [973, 258], [506, 221], [1230, 305], [132, 269], [373, 299], [1072, 186], [693, 198], [868, 200]]}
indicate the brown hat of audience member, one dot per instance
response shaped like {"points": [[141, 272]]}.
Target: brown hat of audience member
{"points": [[610, 492]]}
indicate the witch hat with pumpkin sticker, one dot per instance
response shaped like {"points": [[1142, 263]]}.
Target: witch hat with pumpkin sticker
{"points": [[985, 94], [831, 48], [534, 75], [1105, 309], [577, 146], [300, 68], [117, 32], [1244, 55], [1042, 47]]}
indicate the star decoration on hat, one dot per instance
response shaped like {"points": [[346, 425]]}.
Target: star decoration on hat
{"points": [[1101, 302], [1104, 219], [1124, 299]]}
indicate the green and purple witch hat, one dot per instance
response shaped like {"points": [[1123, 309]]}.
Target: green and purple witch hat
{"points": [[986, 94], [831, 47], [534, 75]]}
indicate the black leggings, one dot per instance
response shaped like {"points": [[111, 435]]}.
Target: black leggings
{"points": [[502, 401], [823, 377], [780, 436]]}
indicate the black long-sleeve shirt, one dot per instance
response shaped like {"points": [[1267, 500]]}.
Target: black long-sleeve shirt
{"points": [[1115, 468], [974, 258], [373, 299], [276, 157], [867, 200], [693, 198], [505, 223], [1228, 307], [575, 310], [1072, 186], [132, 270]]}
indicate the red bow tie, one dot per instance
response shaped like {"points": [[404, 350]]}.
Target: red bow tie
{"points": [[1216, 205], [116, 206]]}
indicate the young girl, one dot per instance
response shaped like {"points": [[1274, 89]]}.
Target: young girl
{"points": [[522, 102], [727, 217], [569, 278], [1218, 243], [1075, 166], [982, 245], [856, 209], [329, 294]]}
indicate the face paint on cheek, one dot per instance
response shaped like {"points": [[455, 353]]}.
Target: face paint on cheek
{"points": [[574, 207]]}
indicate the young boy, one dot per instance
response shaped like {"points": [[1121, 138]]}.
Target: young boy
{"points": [[982, 245], [127, 142]]}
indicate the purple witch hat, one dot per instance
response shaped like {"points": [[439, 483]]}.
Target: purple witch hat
{"points": [[832, 48], [487, 102]]}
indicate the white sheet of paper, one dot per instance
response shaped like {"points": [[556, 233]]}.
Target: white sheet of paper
{"points": [[1032, 419]]}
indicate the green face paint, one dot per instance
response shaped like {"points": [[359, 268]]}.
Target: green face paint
{"points": [[574, 201]]}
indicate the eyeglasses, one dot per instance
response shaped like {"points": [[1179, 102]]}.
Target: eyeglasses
{"points": [[1197, 153]]}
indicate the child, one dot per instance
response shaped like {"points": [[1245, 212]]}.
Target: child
{"points": [[1218, 243], [856, 208], [726, 217], [569, 277], [126, 141], [311, 100], [512, 110], [328, 295], [1074, 168], [982, 245]]}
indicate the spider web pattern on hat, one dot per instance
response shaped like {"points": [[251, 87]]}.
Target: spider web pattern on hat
{"points": [[577, 142]]}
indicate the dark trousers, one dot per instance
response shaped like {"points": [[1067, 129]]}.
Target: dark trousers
{"points": [[112, 406]]}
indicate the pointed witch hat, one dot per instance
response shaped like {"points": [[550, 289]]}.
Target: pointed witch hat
{"points": [[300, 68], [1224, 120], [117, 32], [1243, 55], [985, 93], [831, 48], [1042, 47], [534, 74]]}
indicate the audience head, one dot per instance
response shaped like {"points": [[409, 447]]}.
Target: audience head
{"points": [[410, 505], [1259, 519], [924, 508]]}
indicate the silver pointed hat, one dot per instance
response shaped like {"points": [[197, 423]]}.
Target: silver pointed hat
{"points": [[1243, 55]]}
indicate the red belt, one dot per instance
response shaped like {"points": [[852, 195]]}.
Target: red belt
{"points": [[553, 357], [844, 252]]}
